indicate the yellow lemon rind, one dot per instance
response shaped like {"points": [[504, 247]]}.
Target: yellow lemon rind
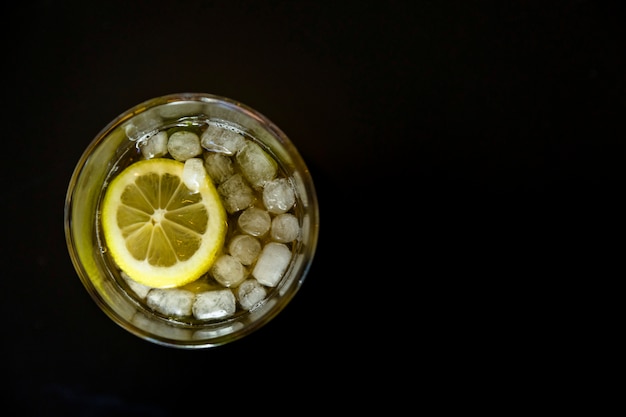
{"points": [[183, 272]]}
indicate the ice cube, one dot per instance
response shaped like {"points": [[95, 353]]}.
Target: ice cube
{"points": [[183, 145], [250, 293], [142, 125], [228, 271], [170, 301], [218, 139], [139, 289], [244, 248], [236, 194], [219, 167], [272, 263], [256, 165], [285, 228], [154, 146], [254, 221], [278, 196], [194, 174], [214, 304]]}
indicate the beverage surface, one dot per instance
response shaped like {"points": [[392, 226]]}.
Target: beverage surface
{"points": [[199, 221]]}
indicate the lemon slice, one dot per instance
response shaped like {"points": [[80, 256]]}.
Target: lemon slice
{"points": [[158, 231]]}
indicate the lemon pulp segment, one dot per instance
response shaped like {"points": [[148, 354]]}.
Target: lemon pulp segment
{"points": [[159, 232]]}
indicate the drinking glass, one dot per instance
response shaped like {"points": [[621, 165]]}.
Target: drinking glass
{"points": [[117, 145]]}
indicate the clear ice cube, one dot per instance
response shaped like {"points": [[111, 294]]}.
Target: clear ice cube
{"points": [[250, 293], [218, 139], [194, 174], [183, 145], [228, 271], [154, 146], [214, 304], [218, 166], [142, 126], [170, 301], [278, 196], [244, 248], [254, 221], [272, 263], [139, 289], [285, 228], [256, 165], [236, 194]]}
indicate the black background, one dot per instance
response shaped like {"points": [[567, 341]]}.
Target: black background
{"points": [[464, 153]]}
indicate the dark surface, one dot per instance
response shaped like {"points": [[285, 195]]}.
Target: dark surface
{"points": [[458, 151]]}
